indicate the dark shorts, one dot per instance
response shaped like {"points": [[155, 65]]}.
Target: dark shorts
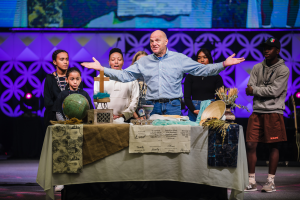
{"points": [[266, 128]]}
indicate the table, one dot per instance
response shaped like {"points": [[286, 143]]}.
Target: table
{"points": [[123, 166]]}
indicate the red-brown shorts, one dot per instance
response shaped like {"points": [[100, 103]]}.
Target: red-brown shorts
{"points": [[266, 128]]}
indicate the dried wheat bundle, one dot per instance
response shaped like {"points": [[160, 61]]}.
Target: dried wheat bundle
{"points": [[232, 95], [218, 125], [70, 121], [222, 92], [229, 96], [232, 92]]}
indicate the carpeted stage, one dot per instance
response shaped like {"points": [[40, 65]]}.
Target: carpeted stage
{"points": [[17, 181]]}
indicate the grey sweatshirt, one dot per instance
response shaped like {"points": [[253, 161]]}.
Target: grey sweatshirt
{"points": [[269, 98]]}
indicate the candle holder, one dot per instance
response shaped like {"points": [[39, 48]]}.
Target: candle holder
{"points": [[148, 109]]}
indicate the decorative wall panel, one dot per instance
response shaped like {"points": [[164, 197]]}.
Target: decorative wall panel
{"points": [[25, 58]]}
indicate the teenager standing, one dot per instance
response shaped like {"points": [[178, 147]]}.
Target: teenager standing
{"points": [[268, 85]]}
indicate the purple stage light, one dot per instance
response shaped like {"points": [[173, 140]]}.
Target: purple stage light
{"points": [[298, 95], [28, 96]]}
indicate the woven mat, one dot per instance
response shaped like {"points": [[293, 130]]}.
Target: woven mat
{"points": [[100, 141]]}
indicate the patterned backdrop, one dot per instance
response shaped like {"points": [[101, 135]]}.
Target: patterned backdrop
{"points": [[25, 58]]}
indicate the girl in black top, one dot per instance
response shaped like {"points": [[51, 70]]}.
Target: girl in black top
{"points": [[55, 83], [199, 88]]}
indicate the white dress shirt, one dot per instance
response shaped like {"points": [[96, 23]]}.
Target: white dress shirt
{"points": [[124, 97]]}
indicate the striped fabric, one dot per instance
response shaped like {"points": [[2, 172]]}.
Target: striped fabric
{"points": [[163, 76], [62, 81]]}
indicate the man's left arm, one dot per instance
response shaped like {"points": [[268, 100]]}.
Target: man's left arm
{"points": [[275, 89], [197, 69]]}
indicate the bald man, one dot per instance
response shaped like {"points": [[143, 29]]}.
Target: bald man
{"points": [[163, 71]]}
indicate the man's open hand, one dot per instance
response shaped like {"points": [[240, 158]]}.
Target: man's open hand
{"points": [[233, 61], [118, 116], [93, 65], [249, 90]]}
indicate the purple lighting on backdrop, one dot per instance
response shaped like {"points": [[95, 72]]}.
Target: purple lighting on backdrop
{"points": [[36, 48], [153, 29]]}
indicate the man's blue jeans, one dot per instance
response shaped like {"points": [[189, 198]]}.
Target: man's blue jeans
{"points": [[168, 108]]}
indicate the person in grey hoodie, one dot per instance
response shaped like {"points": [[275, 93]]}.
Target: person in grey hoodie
{"points": [[268, 84]]}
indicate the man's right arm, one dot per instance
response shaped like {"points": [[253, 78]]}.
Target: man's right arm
{"points": [[130, 74]]}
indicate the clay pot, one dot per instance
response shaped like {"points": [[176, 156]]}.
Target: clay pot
{"points": [[230, 117]]}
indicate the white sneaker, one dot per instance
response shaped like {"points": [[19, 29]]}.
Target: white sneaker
{"points": [[251, 187], [269, 186], [58, 188]]}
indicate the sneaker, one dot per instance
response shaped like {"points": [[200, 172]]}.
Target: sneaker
{"points": [[269, 187], [58, 188], [251, 187]]}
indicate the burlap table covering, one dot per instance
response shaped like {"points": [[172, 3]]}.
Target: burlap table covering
{"points": [[100, 141]]}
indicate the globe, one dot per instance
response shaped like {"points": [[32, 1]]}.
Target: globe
{"points": [[75, 105]]}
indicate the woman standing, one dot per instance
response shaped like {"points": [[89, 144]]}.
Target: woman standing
{"points": [[200, 88], [124, 97]]}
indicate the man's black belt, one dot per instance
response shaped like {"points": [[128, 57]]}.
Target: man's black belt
{"points": [[164, 100]]}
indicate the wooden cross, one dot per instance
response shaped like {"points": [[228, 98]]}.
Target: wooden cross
{"points": [[101, 80]]}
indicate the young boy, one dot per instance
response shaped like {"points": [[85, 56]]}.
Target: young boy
{"points": [[268, 85], [73, 81]]}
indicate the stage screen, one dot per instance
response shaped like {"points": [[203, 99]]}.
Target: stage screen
{"points": [[150, 13]]}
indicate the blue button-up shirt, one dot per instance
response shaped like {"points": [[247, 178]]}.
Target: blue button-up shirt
{"points": [[163, 76]]}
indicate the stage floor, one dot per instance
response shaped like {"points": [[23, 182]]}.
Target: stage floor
{"points": [[18, 181]]}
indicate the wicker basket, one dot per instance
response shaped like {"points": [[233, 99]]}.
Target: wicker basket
{"points": [[214, 110]]}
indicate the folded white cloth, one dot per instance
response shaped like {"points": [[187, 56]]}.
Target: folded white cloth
{"points": [[119, 120]]}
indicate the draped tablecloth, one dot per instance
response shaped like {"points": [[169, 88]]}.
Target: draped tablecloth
{"points": [[123, 166]]}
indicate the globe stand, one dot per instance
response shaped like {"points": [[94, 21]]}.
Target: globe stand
{"points": [[104, 115]]}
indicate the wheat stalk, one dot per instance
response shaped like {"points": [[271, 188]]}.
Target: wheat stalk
{"points": [[218, 125], [70, 121]]}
